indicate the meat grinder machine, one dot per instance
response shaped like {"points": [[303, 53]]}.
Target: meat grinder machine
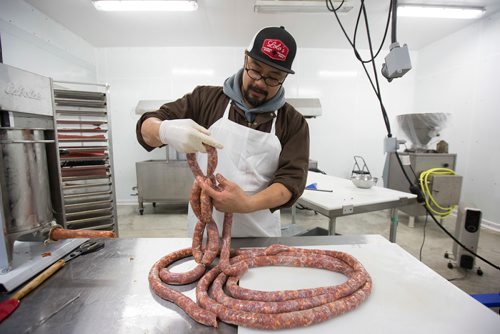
{"points": [[421, 129], [29, 177]]}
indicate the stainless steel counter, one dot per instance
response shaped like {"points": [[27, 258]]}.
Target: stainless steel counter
{"points": [[112, 291], [108, 292]]}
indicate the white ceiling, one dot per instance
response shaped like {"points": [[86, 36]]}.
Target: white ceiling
{"points": [[233, 23]]}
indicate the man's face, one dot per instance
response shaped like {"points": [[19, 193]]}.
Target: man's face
{"points": [[254, 88]]}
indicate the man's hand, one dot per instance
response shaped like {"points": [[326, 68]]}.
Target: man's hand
{"points": [[230, 198], [185, 135]]}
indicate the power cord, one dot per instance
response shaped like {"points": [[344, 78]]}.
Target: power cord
{"points": [[331, 8], [458, 278], [423, 239], [430, 202], [376, 88]]}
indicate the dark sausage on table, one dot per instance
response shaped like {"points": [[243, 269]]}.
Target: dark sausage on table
{"points": [[62, 233]]}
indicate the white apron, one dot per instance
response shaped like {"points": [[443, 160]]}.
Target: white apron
{"points": [[250, 159]]}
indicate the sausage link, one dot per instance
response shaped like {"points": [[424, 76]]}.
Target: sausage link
{"points": [[229, 269], [196, 244], [218, 293], [62, 233], [182, 278], [212, 160], [212, 248], [193, 164], [194, 198], [164, 291], [206, 205]]}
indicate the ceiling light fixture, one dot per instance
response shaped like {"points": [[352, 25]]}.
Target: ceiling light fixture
{"points": [[435, 11], [146, 5], [286, 6]]}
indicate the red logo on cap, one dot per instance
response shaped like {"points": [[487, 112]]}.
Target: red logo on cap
{"points": [[274, 49]]}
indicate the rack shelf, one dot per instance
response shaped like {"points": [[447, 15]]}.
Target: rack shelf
{"points": [[83, 129]]}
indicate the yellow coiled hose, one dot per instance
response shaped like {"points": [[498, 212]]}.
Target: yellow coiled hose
{"points": [[430, 202]]}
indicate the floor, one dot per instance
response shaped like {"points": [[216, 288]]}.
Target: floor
{"points": [[170, 221]]}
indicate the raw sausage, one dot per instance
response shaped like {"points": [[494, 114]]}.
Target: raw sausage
{"points": [[62, 233], [220, 297]]}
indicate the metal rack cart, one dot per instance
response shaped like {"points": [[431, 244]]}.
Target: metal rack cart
{"points": [[83, 130]]}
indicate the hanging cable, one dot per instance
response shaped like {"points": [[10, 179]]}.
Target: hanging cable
{"points": [[376, 88], [358, 56], [394, 20], [331, 8]]}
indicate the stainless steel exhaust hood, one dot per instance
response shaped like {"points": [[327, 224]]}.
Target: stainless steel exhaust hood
{"points": [[308, 107], [144, 106]]}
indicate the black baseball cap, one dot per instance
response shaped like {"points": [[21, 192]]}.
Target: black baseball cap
{"points": [[275, 47]]}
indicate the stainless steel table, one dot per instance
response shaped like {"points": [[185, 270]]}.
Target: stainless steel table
{"points": [[346, 199], [112, 291], [108, 292]]}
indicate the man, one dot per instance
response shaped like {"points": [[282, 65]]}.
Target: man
{"points": [[263, 142]]}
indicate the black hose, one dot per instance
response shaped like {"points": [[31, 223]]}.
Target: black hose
{"points": [[394, 6]]}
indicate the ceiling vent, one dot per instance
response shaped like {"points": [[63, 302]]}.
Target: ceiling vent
{"points": [[304, 6]]}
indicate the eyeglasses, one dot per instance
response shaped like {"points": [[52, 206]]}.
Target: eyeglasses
{"points": [[256, 75]]}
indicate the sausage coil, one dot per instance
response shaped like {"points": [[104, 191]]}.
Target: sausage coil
{"points": [[217, 292]]}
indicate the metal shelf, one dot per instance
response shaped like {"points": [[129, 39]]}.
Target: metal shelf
{"points": [[82, 113], [81, 122], [86, 140], [84, 148], [99, 223], [89, 194], [86, 205], [85, 178], [80, 94], [85, 162], [86, 186], [96, 158], [79, 103], [80, 130]]}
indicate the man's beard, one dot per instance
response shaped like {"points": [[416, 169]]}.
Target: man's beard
{"points": [[255, 101]]}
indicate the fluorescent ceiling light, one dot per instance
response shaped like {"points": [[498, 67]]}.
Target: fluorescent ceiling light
{"points": [[286, 6], [146, 5], [449, 12]]}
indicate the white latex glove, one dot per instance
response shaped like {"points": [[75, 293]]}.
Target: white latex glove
{"points": [[185, 135]]}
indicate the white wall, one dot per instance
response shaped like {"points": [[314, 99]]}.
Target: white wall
{"points": [[34, 42], [460, 75], [351, 123], [146, 73]]}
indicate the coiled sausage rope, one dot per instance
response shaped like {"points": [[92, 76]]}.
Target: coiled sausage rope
{"points": [[220, 297]]}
